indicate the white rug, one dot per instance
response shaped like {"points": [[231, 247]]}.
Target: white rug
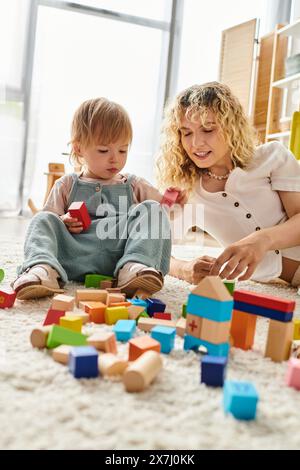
{"points": [[43, 407]]}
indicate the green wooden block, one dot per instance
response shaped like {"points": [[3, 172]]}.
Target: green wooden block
{"points": [[184, 311], [94, 280], [230, 286], [60, 335], [2, 274], [144, 315]]}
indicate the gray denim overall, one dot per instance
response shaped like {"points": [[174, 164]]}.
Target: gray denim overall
{"points": [[48, 240]]}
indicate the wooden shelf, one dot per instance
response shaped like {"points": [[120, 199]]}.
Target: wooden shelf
{"points": [[292, 29], [279, 135], [286, 82]]}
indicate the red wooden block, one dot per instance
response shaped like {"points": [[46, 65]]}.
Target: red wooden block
{"points": [[53, 316], [162, 315], [170, 197], [79, 211], [263, 300], [7, 299]]}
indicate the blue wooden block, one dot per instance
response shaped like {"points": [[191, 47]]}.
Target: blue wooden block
{"points": [[140, 303], [211, 309], [213, 370], [165, 335], [240, 399], [263, 311], [83, 362], [190, 342], [124, 329], [155, 305]]}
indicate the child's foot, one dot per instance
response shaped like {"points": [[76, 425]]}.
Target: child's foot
{"points": [[135, 276], [38, 281]]}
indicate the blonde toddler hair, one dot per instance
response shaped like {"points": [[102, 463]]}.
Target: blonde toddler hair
{"points": [[173, 165]]}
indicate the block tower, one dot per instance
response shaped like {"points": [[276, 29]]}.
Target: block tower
{"points": [[208, 318]]}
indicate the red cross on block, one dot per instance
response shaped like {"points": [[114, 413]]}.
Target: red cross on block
{"points": [[7, 299], [79, 211], [193, 325]]}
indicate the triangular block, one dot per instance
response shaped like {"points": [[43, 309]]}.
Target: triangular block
{"points": [[212, 287]]}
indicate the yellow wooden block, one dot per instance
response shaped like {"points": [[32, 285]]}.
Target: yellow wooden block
{"points": [[296, 328], [72, 323], [279, 342], [113, 314]]}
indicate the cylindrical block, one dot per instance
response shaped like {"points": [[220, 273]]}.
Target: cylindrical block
{"points": [[142, 371], [39, 335], [110, 364]]}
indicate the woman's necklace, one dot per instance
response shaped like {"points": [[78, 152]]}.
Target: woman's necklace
{"points": [[210, 174]]}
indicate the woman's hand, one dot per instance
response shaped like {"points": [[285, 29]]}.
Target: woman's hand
{"points": [[241, 257], [195, 270], [182, 197], [72, 224]]}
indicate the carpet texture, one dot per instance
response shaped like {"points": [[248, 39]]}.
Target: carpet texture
{"points": [[44, 407]]}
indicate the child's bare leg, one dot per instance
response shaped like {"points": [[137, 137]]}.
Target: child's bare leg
{"points": [[289, 271]]}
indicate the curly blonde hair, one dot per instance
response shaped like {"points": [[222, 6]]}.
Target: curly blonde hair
{"points": [[98, 121], [173, 166]]}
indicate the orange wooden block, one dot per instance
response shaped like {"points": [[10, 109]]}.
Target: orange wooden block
{"points": [[103, 341], [141, 344], [214, 331], [120, 304], [193, 325], [113, 297], [242, 329], [279, 342], [96, 311]]}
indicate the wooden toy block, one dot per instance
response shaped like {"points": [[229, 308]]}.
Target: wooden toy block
{"points": [[292, 378], [39, 335], [213, 370], [165, 336], [2, 275], [96, 295], [124, 329], [111, 365], [60, 335], [169, 197], [53, 317], [142, 294], [114, 297], [155, 305], [183, 313], [79, 211], [105, 284], [193, 325], [103, 341], [212, 287], [84, 316], [134, 311], [94, 280], [215, 332], [263, 300], [115, 290], [113, 314], [62, 302], [140, 303], [263, 312], [96, 311], [295, 351], [211, 309], [146, 324], [120, 304], [142, 372], [230, 285], [240, 399], [61, 354], [141, 344], [296, 323], [162, 315], [190, 342], [83, 362], [7, 299], [181, 326], [242, 329], [72, 323], [279, 342]]}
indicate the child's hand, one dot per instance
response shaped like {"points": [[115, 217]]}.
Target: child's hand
{"points": [[182, 196], [72, 224]]}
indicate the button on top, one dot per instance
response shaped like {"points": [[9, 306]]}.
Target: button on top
{"points": [[257, 228], [224, 194], [248, 216], [97, 188], [277, 252], [236, 204]]}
